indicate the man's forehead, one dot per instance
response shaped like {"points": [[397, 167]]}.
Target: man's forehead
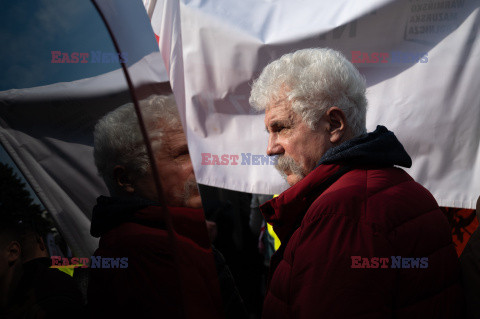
{"points": [[279, 100], [164, 129], [174, 135], [169, 137], [278, 111]]}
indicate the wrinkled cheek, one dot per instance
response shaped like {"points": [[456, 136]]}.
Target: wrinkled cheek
{"points": [[171, 187], [309, 161]]}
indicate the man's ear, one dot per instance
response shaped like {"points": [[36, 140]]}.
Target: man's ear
{"points": [[337, 124], [14, 252], [122, 179]]}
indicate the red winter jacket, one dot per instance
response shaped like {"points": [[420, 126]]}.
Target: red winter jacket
{"points": [[163, 279], [373, 211]]}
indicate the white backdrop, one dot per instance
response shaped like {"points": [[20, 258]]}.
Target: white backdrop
{"points": [[425, 88]]}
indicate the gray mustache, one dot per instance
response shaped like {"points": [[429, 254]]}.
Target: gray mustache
{"points": [[189, 188], [286, 163]]}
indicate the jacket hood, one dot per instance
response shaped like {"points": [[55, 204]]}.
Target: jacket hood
{"points": [[113, 211], [380, 148]]}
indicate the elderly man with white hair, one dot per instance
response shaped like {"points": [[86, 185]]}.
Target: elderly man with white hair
{"points": [[360, 238], [146, 269]]}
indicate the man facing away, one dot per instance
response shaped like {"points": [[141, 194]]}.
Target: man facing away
{"points": [[360, 238], [163, 275]]}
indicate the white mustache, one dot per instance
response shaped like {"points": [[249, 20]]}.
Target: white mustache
{"points": [[190, 187], [285, 164]]}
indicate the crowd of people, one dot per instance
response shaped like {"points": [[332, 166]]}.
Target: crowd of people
{"points": [[359, 237]]}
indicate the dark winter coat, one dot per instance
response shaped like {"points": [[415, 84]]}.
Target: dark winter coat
{"points": [[352, 210]]}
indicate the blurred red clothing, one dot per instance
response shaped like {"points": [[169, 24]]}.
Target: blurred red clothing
{"points": [[164, 279]]}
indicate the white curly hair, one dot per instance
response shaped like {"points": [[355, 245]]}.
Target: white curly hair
{"points": [[118, 139], [314, 80]]}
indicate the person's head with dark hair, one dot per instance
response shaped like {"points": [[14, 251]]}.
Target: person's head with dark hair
{"points": [[10, 256], [32, 230], [29, 288]]}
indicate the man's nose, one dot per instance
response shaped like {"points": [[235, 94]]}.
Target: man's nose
{"points": [[274, 147]]}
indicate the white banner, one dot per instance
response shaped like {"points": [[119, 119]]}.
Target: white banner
{"points": [[420, 59]]}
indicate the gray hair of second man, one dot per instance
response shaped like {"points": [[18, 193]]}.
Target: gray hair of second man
{"points": [[314, 80], [118, 139]]}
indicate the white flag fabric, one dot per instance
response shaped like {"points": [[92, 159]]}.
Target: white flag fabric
{"points": [[420, 59], [48, 132]]}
